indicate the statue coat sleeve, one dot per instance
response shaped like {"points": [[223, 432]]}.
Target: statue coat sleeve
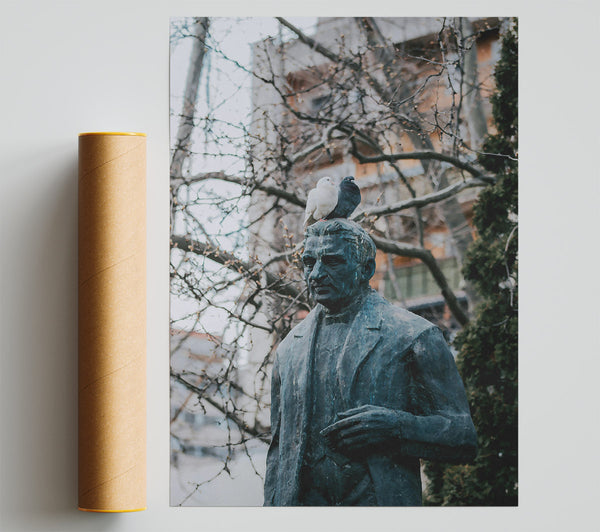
{"points": [[437, 425]]}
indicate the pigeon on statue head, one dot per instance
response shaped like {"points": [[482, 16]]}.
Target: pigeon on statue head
{"points": [[327, 201], [321, 200], [347, 200]]}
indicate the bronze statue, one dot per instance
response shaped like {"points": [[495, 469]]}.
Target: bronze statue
{"points": [[361, 389]]}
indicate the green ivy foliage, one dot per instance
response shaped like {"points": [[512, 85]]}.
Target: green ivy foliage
{"points": [[488, 345]]}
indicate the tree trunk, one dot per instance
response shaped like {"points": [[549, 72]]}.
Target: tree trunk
{"points": [[475, 116], [190, 97]]}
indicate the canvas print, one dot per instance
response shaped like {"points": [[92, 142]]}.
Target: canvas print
{"points": [[344, 261]]}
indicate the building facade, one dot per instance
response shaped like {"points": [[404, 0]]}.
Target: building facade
{"points": [[341, 102]]}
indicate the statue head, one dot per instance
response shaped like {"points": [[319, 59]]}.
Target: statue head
{"points": [[339, 261]]}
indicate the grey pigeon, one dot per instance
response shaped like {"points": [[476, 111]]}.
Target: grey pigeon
{"points": [[347, 200], [321, 201]]}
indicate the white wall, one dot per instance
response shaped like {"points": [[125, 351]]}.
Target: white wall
{"points": [[68, 67]]}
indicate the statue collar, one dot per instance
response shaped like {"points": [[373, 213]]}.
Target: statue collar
{"points": [[347, 314]]}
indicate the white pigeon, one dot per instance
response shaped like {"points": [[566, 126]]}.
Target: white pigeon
{"points": [[321, 200]]}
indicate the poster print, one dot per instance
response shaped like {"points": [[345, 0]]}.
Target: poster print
{"points": [[421, 112]]}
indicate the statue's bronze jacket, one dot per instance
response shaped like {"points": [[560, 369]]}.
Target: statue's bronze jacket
{"points": [[391, 358]]}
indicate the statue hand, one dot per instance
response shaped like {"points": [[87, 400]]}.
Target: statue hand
{"points": [[363, 427]]}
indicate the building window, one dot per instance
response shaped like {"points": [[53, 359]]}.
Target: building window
{"points": [[416, 281]]}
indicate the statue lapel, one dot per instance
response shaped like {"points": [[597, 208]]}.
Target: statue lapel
{"points": [[304, 338], [363, 336], [303, 352]]}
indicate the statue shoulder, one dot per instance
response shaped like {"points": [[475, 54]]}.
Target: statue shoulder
{"points": [[299, 331], [397, 321]]}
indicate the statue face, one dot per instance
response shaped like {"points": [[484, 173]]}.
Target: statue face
{"points": [[332, 272]]}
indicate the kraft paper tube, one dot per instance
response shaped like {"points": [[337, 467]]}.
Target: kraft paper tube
{"points": [[112, 322]]}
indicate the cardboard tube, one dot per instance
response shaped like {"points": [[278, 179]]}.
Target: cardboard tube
{"points": [[112, 322]]}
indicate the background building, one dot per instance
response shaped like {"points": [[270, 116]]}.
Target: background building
{"points": [[444, 72]]}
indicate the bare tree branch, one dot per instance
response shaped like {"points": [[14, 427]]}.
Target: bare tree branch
{"points": [[269, 189], [258, 431], [252, 271], [422, 156], [421, 201]]}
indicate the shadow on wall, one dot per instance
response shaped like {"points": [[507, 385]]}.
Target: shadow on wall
{"points": [[39, 361]]}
